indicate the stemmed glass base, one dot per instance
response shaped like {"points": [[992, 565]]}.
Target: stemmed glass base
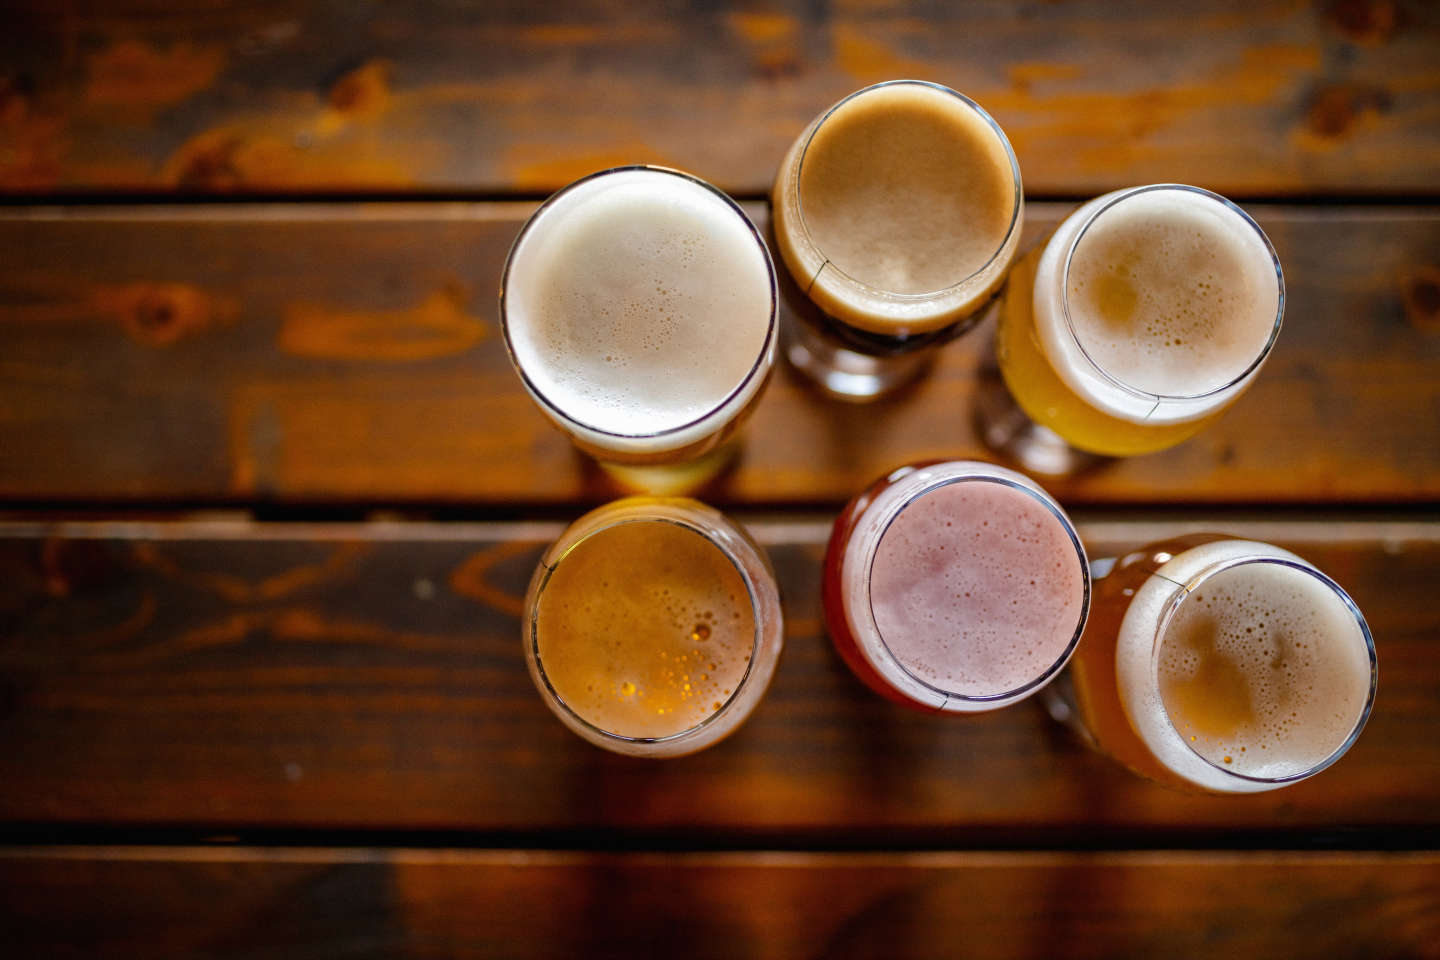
{"points": [[1009, 431], [844, 373], [1058, 699]]}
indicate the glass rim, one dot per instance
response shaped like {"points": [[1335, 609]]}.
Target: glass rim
{"points": [[1184, 590], [755, 368], [1069, 527], [1117, 381], [533, 616], [1016, 205]]}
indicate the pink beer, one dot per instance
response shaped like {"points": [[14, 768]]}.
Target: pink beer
{"points": [[955, 586]]}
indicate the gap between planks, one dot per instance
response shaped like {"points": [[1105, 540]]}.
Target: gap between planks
{"points": [[1392, 535], [514, 211], [936, 860]]}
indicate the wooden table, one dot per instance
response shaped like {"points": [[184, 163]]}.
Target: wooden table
{"points": [[271, 491]]}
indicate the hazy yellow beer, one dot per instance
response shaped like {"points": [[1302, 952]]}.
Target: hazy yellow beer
{"points": [[653, 626], [1222, 665], [1146, 313]]}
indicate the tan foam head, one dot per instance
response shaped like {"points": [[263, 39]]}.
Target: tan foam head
{"points": [[907, 188], [1263, 670], [637, 302], [1172, 292]]}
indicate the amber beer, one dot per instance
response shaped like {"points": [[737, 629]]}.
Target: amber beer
{"points": [[1221, 665], [897, 213], [653, 626], [638, 307], [1144, 316]]}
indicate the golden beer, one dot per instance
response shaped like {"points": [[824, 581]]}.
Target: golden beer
{"points": [[1219, 665], [653, 626]]}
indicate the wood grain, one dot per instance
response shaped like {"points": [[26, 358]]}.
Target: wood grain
{"points": [[351, 353], [1271, 97], [246, 902], [236, 676]]}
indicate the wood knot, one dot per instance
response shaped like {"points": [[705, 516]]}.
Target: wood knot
{"points": [[70, 565], [779, 64], [133, 74], [363, 91], [158, 315], [16, 92], [774, 40], [210, 162], [32, 144], [1335, 111], [1366, 22], [1420, 293]]}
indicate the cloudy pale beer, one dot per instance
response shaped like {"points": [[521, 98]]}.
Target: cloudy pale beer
{"points": [[897, 213], [653, 626], [1144, 316], [956, 586], [1221, 665], [638, 307]]}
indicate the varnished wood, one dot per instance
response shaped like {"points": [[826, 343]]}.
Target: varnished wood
{"points": [[362, 683], [185, 902], [233, 676], [323, 353], [1264, 97]]}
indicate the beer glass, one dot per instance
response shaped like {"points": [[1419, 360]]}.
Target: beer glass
{"points": [[1213, 664], [638, 306], [1146, 314], [652, 626], [897, 212], [955, 586]]}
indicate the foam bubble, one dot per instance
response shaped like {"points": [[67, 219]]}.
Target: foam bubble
{"points": [[1171, 292], [976, 589], [638, 301]]}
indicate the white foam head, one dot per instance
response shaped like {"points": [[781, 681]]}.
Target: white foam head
{"points": [[1165, 294], [639, 307], [1259, 673]]}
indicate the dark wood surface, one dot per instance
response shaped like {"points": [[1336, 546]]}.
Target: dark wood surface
{"points": [[370, 676], [228, 904], [248, 264], [1247, 97], [351, 352]]}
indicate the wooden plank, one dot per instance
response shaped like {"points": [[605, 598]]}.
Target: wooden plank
{"points": [[230, 676], [248, 902], [1269, 97], [350, 352]]}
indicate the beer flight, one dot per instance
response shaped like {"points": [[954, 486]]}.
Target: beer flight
{"points": [[640, 308]]}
